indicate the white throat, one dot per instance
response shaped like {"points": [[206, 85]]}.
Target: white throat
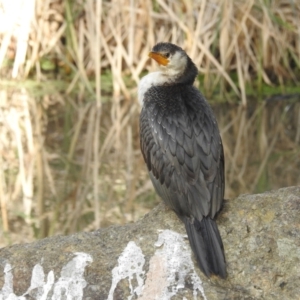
{"points": [[154, 78], [166, 74]]}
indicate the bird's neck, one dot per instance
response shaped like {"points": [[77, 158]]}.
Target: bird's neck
{"points": [[188, 75], [152, 79], [167, 77]]}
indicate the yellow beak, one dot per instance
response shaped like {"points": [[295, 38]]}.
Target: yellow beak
{"points": [[159, 58]]}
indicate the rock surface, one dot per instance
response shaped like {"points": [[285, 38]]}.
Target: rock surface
{"points": [[151, 259]]}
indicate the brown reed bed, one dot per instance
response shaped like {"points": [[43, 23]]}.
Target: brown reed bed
{"points": [[256, 40], [69, 150]]}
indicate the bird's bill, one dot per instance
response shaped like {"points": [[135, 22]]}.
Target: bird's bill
{"points": [[159, 58]]}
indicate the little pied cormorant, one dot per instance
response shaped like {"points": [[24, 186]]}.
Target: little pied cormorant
{"points": [[182, 147]]}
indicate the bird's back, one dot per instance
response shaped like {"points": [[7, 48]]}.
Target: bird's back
{"points": [[181, 145]]}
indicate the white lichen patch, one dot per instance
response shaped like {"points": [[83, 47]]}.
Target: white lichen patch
{"points": [[130, 266], [69, 285], [169, 269], [71, 281], [7, 288], [39, 284]]}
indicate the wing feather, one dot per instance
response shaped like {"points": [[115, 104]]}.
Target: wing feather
{"points": [[183, 151]]}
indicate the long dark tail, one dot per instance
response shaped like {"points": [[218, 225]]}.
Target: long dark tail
{"points": [[207, 245]]}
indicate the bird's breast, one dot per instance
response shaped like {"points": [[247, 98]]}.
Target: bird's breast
{"points": [[152, 79]]}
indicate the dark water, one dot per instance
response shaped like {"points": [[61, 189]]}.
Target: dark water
{"points": [[261, 144]]}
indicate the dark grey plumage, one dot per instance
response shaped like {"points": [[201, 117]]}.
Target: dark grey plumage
{"points": [[182, 148]]}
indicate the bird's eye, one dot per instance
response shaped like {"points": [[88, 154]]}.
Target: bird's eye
{"points": [[167, 55]]}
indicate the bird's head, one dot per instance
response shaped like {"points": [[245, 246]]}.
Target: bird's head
{"points": [[174, 62]]}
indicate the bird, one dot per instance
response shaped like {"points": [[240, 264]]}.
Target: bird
{"points": [[182, 149]]}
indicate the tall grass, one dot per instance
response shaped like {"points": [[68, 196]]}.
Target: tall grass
{"points": [[72, 162]]}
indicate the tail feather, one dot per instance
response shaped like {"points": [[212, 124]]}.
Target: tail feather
{"points": [[207, 245]]}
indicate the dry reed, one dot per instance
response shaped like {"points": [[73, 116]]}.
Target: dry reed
{"points": [[81, 175], [256, 37]]}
